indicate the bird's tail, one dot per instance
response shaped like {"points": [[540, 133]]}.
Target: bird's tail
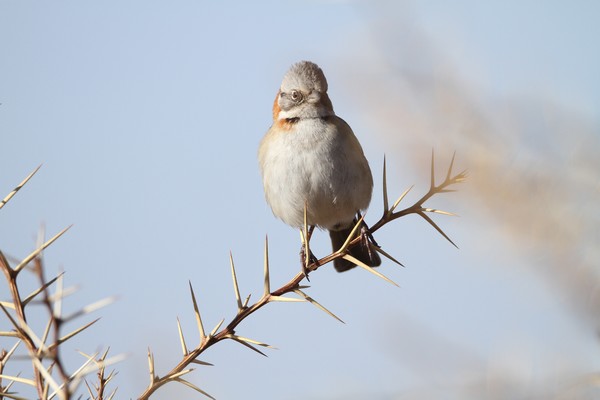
{"points": [[362, 251]]}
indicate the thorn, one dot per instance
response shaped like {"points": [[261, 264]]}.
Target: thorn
{"points": [[237, 339], [436, 211], [246, 301], [36, 252], [400, 198], [184, 349], [286, 299], [317, 304], [191, 385], [366, 267], [432, 170], [267, 285], [19, 186], [380, 250], [75, 332], [342, 250], [385, 190], [426, 218], [216, 328], [235, 283], [197, 313], [199, 362], [450, 167], [151, 366]]}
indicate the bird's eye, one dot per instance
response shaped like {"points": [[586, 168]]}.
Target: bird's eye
{"points": [[295, 95]]}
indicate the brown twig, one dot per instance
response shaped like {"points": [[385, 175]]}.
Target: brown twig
{"points": [[292, 286], [39, 351], [44, 354], [19, 324]]}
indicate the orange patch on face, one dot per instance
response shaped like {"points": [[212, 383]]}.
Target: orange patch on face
{"points": [[283, 124], [276, 107]]}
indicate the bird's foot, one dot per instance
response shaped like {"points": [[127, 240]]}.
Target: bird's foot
{"points": [[305, 263], [367, 241]]}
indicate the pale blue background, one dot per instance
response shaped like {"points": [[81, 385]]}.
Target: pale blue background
{"points": [[147, 115]]}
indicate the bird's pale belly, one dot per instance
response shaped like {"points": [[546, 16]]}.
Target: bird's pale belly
{"points": [[317, 183]]}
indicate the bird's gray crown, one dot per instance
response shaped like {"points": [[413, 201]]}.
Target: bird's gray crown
{"points": [[305, 76]]}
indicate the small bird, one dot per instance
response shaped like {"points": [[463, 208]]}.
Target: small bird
{"points": [[311, 158]]}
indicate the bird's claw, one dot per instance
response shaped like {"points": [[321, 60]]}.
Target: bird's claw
{"points": [[367, 241], [304, 264]]}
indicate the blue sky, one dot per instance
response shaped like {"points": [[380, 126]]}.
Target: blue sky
{"points": [[146, 117]]}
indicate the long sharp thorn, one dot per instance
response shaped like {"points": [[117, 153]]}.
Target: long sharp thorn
{"points": [[401, 198], [184, 348], [112, 394], [256, 342], [91, 308], [267, 286], [178, 374], [7, 387], [246, 301], [36, 252], [385, 191], [351, 235], [305, 240], [9, 353], [40, 289], [216, 328], [12, 320], [235, 282], [59, 296], [197, 313], [286, 299], [45, 334], [105, 354], [18, 379], [437, 228], [87, 356], [436, 211], [75, 332], [87, 385], [151, 366], [380, 250], [366, 267], [317, 304], [19, 186], [196, 388], [432, 170], [248, 345], [200, 362], [450, 167]]}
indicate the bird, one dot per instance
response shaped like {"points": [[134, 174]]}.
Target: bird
{"points": [[311, 158]]}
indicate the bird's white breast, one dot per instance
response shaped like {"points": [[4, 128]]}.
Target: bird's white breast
{"points": [[317, 162]]}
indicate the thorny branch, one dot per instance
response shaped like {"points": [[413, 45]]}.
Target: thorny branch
{"points": [[50, 377], [45, 354], [293, 286]]}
